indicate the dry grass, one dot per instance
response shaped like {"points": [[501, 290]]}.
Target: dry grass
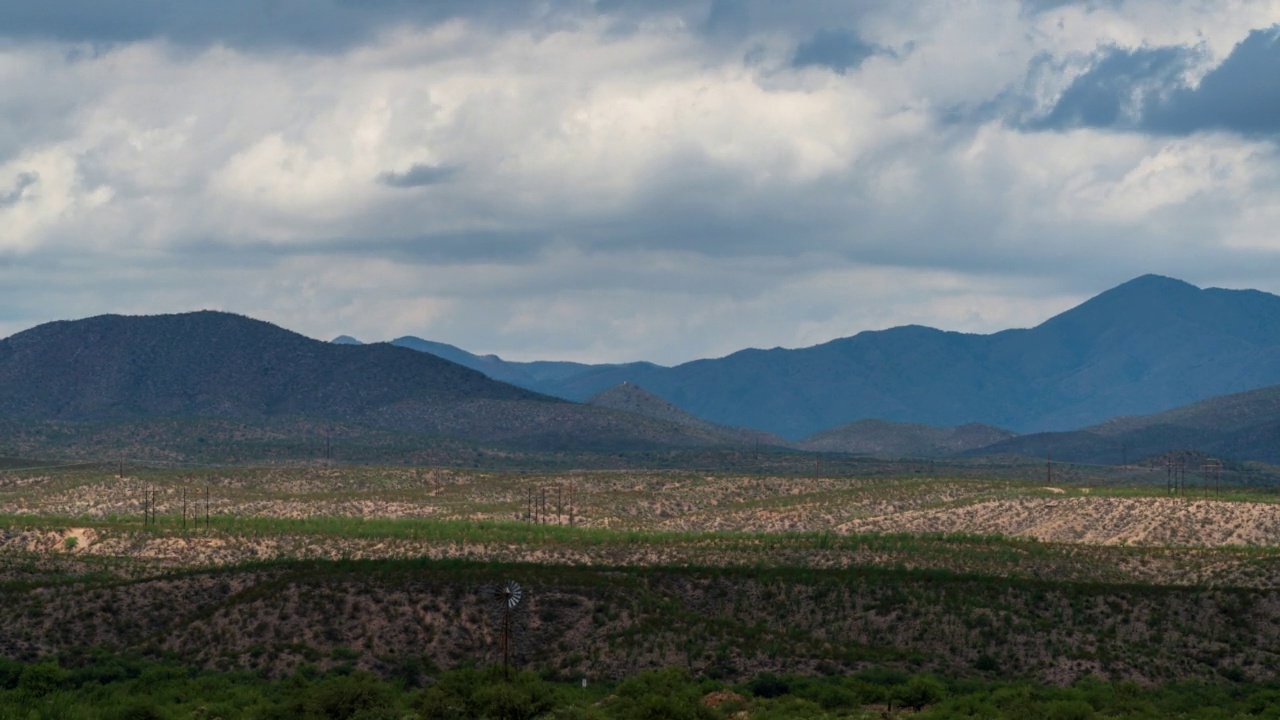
{"points": [[757, 572], [629, 518]]}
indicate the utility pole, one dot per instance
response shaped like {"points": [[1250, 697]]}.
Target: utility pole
{"points": [[1048, 468], [1212, 470]]}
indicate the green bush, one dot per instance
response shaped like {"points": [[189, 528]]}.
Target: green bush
{"points": [[41, 679], [358, 696], [1068, 710], [669, 694], [768, 685], [136, 710], [918, 692]]}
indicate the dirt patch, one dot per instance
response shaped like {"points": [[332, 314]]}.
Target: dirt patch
{"points": [[1095, 520]]}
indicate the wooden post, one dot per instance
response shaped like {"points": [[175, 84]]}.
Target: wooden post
{"points": [[206, 507], [184, 508], [559, 506], [571, 507]]}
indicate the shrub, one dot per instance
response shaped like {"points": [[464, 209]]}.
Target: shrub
{"points": [[768, 685], [668, 694], [918, 692], [358, 696], [1068, 710], [42, 679]]}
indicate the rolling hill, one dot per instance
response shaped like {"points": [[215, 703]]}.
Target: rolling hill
{"points": [[635, 399], [1151, 344], [217, 365], [1241, 426], [889, 439]]}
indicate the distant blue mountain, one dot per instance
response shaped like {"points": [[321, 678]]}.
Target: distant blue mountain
{"points": [[1151, 344], [541, 373]]}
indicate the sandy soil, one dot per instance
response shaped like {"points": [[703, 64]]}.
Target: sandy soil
{"points": [[1096, 520]]}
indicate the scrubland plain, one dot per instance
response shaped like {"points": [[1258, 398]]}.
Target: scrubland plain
{"points": [[726, 575]]}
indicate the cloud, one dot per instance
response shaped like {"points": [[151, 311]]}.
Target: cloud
{"points": [[419, 175], [1148, 90], [618, 180], [839, 50], [21, 183], [1240, 95], [1117, 90], [319, 25]]}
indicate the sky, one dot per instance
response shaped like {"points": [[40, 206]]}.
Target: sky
{"points": [[616, 180]]}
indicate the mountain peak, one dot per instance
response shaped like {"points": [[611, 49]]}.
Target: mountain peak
{"points": [[630, 397], [345, 340], [1153, 283]]}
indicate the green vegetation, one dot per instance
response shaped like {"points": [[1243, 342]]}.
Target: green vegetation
{"points": [[99, 685], [314, 573]]}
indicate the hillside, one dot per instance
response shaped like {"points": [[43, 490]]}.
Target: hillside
{"points": [[889, 439], [635, 399], [1241, 426], [538, 375], [1149, 345], [218, 365]]}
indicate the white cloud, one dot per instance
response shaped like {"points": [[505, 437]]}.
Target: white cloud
{"points": [[656, 193]]}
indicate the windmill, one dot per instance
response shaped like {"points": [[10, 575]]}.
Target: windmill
{"points": [[509, 595]]}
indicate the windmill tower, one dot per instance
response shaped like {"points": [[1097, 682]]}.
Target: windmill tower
{"points": [[509, 595]]}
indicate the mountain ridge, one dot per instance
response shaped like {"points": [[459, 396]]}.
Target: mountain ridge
{"points": [[1239, 426], [220, 365], [1144, 346], [884, 438], [632, 398]]}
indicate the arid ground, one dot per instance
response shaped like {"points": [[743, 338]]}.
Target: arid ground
{"points": [[267, 568]]}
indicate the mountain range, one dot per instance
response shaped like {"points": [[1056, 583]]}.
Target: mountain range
{"points": [[635, 399], [890, 439], [1151, 344], [1241, 426], [114, 368], [1148, 367]]}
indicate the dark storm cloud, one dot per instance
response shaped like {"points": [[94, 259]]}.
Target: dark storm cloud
{"points": [[728, 17], [1040, 6], [319, 25], [419, 176], [14, 195], [335, 25], [839, 50], [1143, 90], [1242, 94], [1118, 89]]}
